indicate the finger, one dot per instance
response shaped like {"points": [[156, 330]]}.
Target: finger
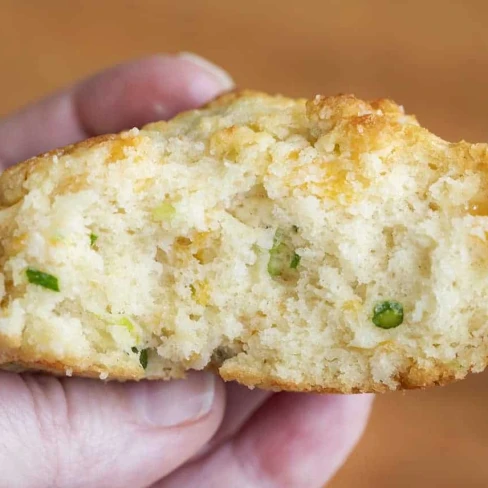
{"points": [[293, 441], [241, 403], [122, 97], [79, 433]]}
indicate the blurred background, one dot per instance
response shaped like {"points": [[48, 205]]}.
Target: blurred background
{"points": [[431, 56]]}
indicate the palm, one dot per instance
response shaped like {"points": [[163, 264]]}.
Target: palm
{"points": [[249, 438]]}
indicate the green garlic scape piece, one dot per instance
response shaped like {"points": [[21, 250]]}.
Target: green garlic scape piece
{"points": [[281, 255], [388, 314], [277, 259], [93, 239], [40, 278]]}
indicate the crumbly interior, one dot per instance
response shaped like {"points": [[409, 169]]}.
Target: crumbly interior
{"points": [[177, 240]]}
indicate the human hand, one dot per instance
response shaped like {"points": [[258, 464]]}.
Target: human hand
{"points": [[73, 432]]}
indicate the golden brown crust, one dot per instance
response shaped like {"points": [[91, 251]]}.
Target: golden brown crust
{"points": [[413, 379], [12, 180], [344, 107], [229, 97], [60, 369], [23, 363]]}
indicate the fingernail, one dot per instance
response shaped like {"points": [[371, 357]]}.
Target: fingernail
{"points": [[208, 82], [173, 403], [217, 72]]}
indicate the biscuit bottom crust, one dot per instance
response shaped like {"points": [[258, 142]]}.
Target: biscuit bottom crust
{"points": [[260, 237]]}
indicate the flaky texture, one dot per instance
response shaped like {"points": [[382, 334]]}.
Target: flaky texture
{"points": [[255, 237]]}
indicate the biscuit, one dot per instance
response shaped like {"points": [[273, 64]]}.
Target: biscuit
{"points": [[329, 245]]}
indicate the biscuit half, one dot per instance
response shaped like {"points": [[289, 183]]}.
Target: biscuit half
{"points": [[308, 245]]}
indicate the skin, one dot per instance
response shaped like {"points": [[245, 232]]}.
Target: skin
{"points": [[74, 432]]}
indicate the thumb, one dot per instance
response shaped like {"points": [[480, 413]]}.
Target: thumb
{"points": [[75, 432]]}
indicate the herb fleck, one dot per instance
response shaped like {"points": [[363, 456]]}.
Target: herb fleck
{"points": [[40, 278], [143, 359], [295, 261]]}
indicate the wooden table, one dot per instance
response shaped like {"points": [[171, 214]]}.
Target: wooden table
{"points": [[432, 56]]}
